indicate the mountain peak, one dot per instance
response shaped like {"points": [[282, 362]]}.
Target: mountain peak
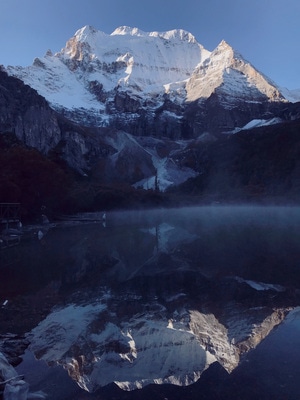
{"points": [[85, 32], [227, 73], [180, 34], [224, 44], [225, 54], [127, 30], [224, 47]]}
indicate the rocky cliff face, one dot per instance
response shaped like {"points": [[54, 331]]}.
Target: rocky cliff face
{"points": [[108, 155], [27, 115]]}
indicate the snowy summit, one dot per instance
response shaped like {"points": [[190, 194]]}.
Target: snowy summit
{"points": [[95, 72]]}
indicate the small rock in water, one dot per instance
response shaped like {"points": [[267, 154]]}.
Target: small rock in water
{"points": [[16, 390], [40, 235], [45, 219]]}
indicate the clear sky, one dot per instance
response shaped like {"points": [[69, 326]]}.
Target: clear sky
{"points": [[265, 32]]}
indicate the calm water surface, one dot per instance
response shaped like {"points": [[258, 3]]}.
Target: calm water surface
{"points": [[182, 304]]}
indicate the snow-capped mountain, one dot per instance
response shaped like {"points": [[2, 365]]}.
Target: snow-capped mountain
{"points": [[146, 104], [227, 73], [146, 82], [128, 59], [93, 67]]}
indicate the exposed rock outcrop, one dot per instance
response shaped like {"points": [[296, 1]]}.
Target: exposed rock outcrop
{"points": [[27, 115]]}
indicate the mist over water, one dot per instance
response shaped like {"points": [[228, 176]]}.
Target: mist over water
{"points": [[160, 296]]}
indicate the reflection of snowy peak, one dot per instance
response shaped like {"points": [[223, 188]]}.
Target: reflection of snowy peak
{"points": [[152, 299], [98, 346], [143, 82]]}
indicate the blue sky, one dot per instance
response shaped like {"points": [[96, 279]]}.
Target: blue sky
{"points": [[265, 32]]}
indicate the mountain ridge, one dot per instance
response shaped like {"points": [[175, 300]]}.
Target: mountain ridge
{"points": [[151, 141], [136, 81]]}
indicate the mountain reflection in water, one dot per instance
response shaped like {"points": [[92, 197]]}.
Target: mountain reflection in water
{"points": [[162, 296]]}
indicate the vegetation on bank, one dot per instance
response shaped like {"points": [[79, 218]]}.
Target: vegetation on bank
{"points": [[261, 166], [43, 185], [29, 178]]}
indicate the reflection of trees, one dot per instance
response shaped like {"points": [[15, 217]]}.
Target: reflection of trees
{"points": [[157, 237]]}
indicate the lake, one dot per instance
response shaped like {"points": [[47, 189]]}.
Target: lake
{"points": [[188, 303]]}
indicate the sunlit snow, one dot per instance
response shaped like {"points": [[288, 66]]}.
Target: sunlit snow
{"points": [[86, 74], [256, 123]]}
